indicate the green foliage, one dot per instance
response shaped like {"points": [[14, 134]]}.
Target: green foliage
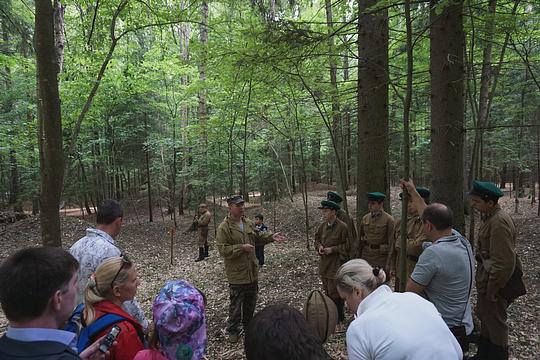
{"points": [[147, 102]]}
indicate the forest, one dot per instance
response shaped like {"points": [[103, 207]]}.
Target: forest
{"points": [[177, 102], [166, 104]]}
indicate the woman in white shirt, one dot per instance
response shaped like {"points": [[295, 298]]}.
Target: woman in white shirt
{"points": [[391, 325]]}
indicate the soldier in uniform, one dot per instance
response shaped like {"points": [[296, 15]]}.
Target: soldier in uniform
{"points": [[331, 243], [342, 215], [496, 257], [377, 233], [415, 238], [203, 219], [336, 198], [236, 239]]}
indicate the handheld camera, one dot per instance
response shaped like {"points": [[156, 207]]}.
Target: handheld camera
{"points": [[106, 343]]}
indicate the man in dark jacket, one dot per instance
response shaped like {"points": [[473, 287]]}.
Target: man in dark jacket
{"points": [[38, 287]]}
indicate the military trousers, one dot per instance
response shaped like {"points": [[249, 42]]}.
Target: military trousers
{"points": [[493, 319], [202, 238], [243, 300]]}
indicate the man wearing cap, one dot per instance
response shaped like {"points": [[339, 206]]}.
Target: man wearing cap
{"points": [[415, 238], [342, 215], [203, 219], [336, 198], [496, 256], [332, 245], [236, 239], [377, 233]]}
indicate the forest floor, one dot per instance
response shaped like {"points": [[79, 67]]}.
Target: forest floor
{"points": [[290, 272]]}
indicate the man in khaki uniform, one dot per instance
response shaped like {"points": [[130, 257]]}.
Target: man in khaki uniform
{"points": [[496, 257], [415, 238], [377, 233], [236, 239], [342, 215], [332, 244], [203, 219]]}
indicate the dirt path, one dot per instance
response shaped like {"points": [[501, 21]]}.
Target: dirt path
{"points": [[290, 271]]}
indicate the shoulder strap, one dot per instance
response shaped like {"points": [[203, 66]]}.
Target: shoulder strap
{"points": [[464, 242], [90, 331]]}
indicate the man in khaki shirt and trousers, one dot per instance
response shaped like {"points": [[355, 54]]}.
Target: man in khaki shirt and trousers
{"points": [[377, 233], [236, 239], [332, 245], [496, 257], [203, 219], [415, 238]]}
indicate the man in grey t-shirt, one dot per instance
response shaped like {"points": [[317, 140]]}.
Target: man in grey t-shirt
{"points": [[443, 273]]}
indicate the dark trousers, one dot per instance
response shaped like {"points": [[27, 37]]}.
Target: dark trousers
{"points": [[259, 253], [340, 304], [243, 299]]}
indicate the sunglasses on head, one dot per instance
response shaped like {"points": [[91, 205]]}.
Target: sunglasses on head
{"points": [[125, 261]]}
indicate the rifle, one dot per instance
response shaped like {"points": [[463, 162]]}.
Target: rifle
{"points": [[193, 226]]}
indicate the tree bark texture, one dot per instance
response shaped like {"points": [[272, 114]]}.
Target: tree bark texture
{"points": [[447, 106], [49, 124], [372, 103]]}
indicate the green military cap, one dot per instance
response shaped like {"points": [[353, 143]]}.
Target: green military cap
{"points": [[422, 191], [327, 204], [376, 196], [235, 199], [486, 190], [334, 196]]}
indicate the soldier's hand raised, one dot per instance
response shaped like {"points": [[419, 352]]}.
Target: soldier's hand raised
{"points": [[248, 248]]}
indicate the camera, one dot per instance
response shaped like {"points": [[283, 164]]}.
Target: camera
{"points": [[106, 343]]}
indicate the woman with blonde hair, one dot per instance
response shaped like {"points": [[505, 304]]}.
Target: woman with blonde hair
{"points": [[391, 325], [115, 281]]}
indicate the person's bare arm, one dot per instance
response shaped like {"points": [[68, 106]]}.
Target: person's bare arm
{"points": [[415, 197]]}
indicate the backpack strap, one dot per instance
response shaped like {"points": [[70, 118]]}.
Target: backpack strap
{"points": [[90, 331]]}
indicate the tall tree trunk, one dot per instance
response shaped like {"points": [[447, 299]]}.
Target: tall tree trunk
{"points": [[49, 124], [203, 38], [447, 106], [148, 173], [245, 189], [538, 156], [346, 146], [59, 37], [14, 187], [372, 103], [485, 79], [185, 30], [406, 151], [86, 184], [337, 126], [316, 157]]}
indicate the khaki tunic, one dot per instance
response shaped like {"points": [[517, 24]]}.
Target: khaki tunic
{"points": [[202, 228], [415, 239], [240, 267], [336, 237], [495, 251], [377, 238], [496, 256]]}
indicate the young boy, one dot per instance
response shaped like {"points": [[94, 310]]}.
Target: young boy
{"points": [[260, 228]]}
